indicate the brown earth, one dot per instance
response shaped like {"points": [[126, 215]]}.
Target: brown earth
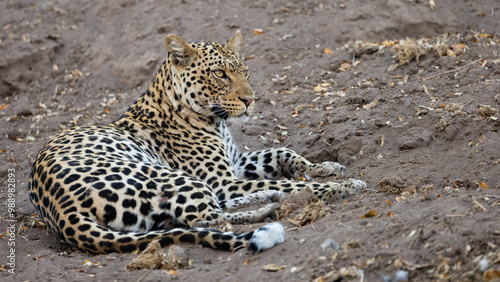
{"points": [[428, 130]]}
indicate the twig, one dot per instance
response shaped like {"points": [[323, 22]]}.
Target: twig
{"points": [[345, 225], [479, 205], [455, 70], [146, 274], [447, 222], [299, 107], [427, 108], [495, 198], [425, 90], [419, 237]]}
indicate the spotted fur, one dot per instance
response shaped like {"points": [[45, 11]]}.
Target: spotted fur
{"points": [[168, 168]]}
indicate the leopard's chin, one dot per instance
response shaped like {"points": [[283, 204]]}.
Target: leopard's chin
{"points": [[249, 112], [237, 120]]}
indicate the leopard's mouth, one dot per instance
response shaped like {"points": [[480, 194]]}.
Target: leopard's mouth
{"points": [[220, 112]]}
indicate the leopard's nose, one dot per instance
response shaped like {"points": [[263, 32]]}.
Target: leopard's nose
{"points": [[247, 100]]}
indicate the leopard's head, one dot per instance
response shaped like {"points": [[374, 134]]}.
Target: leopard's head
{"points": [[210, 78]]}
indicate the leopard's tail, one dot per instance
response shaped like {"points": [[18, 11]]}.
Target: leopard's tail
{"points": [[90, 236]]}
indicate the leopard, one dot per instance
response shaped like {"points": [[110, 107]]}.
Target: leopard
{"points": [[169, 169]]}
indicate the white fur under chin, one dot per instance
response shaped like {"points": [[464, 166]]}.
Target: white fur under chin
{"points": [[237, 121], [267, 237]]}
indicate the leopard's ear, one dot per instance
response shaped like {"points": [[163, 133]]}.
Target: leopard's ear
{"points": [[236, 41], [181, 53]]}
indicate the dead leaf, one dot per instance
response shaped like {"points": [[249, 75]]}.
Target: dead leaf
{"points": [[2, 268], [3, 106], [345, 66], [388, 43], [459, 48], [483, 185], [389, 203], [486, 35], [87, 262], [318, 88], [390, 214], [328, 51], [172, 272], [246, 262], [492, 275], [258, 31], [282, 127], [371, 213]]}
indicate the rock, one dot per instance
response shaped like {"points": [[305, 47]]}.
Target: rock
{"points": [[413, 138]]}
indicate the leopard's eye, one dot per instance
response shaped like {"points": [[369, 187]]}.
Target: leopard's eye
{"points": [[220, 73]]}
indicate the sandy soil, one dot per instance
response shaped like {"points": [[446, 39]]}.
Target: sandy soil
{"points": [[424, 135]]}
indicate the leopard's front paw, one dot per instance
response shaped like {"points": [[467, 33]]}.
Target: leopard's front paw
{"points": [[325, 169], [274, 195], [354, 186]]}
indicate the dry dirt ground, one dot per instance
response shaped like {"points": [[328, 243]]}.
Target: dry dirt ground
{"points": [[336, 80]]}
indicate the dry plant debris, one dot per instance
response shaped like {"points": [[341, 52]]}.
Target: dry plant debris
{"points": [[153, 257], [453, 107], [452, 50], [395, 185], [441, 125], [311, 213], [409, 50], [293, 202], [486, 111]]}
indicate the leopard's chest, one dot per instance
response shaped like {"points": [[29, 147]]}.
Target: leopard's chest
{"points": [[205, 156]]}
